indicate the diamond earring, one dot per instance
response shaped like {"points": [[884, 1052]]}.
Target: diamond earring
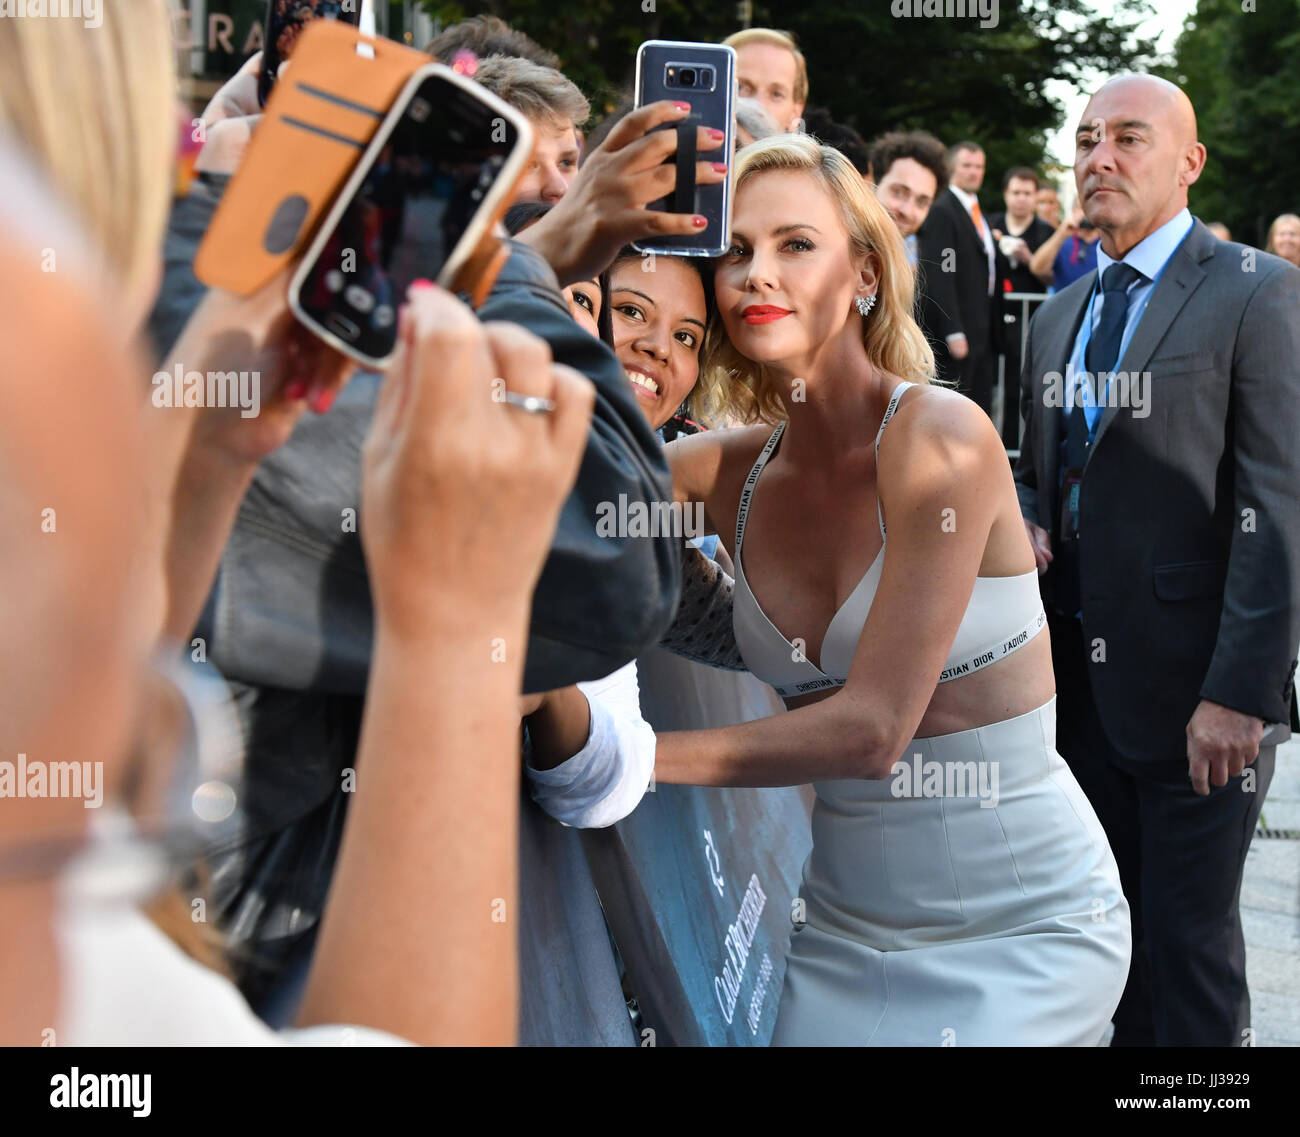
{"points": [[865, 303]]}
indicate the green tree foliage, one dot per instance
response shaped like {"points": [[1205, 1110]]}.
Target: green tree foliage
{"points": [[871, 68], [1239, 63]]}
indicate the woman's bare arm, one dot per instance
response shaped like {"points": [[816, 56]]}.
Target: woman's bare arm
{"points": [[940, 464]]}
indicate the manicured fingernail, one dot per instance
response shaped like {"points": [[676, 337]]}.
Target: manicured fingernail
{"points": [[422, 283], [296, 389], [323, 400], [681, 106], [716, 135], [719, 167], [699, 222]]}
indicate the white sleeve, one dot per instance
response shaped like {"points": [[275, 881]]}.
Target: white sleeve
{"points": [[605, 780]]}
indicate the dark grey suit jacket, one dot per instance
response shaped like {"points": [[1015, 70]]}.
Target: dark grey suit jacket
{"points": [[1189, 513]]}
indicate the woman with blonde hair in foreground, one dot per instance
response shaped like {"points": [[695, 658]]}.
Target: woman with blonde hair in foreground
{"points": [[116, 512], [960, 889]]}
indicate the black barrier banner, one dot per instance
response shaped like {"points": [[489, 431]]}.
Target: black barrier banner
{"points": [[698, 883]]}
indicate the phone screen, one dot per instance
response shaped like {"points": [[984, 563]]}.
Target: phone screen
{"points": [[415, 202], [285, 20]]}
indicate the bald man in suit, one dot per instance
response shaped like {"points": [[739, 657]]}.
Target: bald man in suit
{"points": [[1158, 482]]}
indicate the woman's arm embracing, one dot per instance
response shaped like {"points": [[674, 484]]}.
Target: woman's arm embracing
{"points": [[943, 468]]}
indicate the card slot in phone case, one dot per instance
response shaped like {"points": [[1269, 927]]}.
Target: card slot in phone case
{"points": [[330, 134], [340, 101]]}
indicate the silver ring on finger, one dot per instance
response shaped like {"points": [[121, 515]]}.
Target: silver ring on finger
{"points": [[529, 404]]}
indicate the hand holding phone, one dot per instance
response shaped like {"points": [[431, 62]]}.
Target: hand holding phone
{"points": [[702, 75], [606, 206]]}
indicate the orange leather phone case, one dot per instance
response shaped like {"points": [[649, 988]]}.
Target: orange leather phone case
{"points": [[321, 116]]}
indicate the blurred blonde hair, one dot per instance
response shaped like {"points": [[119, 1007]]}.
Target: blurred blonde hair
{"points": [[96, 109], [735, 388]]}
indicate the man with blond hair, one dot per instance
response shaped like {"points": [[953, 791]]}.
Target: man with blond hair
{"points": [[771, 68], [555, 109]]}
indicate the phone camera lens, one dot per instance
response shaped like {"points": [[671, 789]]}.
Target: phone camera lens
{"points": [[688, 76]]}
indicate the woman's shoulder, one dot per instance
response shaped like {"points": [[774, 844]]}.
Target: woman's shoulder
{"points": [[703, 459], [941, 425]]}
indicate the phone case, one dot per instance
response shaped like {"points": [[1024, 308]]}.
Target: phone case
{"points": [[484, 259], [714, 108], [320, 118]]}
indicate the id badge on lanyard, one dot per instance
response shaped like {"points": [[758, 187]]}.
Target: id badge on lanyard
{"points": [[1070, 504]]}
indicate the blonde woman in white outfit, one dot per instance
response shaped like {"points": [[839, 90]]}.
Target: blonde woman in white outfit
{"points": [[960, 889]]}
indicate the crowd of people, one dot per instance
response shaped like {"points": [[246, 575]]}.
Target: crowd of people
{"points": [[1113, 664]]}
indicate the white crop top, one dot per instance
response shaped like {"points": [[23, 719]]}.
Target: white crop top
{"points": [[1004, 613]]}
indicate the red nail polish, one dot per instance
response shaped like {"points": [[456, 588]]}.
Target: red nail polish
{"points": [[717, 135], [323, 401], [295, 389], [682, 106], [422, 283], [699, 222], [719, 167]]}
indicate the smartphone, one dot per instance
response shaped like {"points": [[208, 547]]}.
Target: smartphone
{"points": [[704, 75], [285, 20], [424, 199]]}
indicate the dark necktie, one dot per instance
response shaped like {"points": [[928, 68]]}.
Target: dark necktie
{"points": [[1101, 356], [1103, 347]]}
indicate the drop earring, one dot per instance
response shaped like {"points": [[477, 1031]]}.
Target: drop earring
{"points": [[865, 304]]}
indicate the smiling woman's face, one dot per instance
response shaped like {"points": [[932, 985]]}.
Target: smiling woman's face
{"points": [[658, 320]]}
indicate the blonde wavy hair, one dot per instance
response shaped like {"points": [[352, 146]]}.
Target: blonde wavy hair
{"points": [[96, 107], [733, 388]]}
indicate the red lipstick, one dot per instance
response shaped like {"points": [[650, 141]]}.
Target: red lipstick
{"points": [[763, 313]]}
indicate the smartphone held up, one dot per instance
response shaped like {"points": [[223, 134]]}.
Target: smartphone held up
{"points": [[423, 201], [703, 75], [285, 22]]}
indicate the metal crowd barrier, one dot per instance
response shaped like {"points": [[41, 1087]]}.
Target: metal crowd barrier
{"points": [[1010, 385]]}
